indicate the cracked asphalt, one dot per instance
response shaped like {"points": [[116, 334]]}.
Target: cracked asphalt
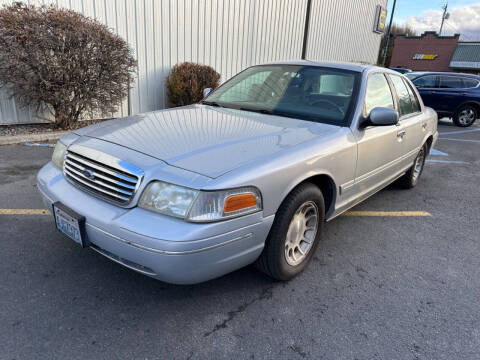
{"points": [[377, 288]]}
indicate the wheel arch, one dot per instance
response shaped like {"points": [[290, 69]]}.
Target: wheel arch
{"points": [[429, 142], [326, 184], [473, 103]]}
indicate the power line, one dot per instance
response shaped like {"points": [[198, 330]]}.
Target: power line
{"points": [[460, 32]]}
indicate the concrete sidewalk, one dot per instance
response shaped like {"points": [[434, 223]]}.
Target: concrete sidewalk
{"points": [[18, 139]]}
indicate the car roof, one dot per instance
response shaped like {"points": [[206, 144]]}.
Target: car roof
{"points": [[332, 64], [419, 73]]}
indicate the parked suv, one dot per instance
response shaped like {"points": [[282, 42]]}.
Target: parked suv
{"points": [[450, 94], [401, 70]]}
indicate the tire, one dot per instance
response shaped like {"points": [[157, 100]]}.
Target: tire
{"points": [[411, 177], [465, 116], [277, 258]]}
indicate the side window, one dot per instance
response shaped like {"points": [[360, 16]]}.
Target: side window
{"points": [[404, 102], [427, 81], [378, 93], [413, 97], [469, 83], [450, 82]]}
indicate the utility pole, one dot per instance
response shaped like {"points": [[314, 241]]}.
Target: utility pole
{"points": [[385, 50], [305, 31], [444, 7]]}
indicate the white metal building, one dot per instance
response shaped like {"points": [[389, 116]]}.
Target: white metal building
{"points": [[228, 35]]}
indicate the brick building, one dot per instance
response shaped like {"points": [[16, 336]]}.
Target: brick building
{"points": [[427, 52]]}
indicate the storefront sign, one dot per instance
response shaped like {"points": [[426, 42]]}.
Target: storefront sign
{"points": [[425, 56], [380, 19]]}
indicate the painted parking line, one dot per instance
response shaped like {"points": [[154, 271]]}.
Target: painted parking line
{"points": [[24, 212], [464, 140], [458, 132], [436, 152], [348, 213], [446, 161], [387, 213]]}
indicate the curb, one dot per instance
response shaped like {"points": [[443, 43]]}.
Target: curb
{"points": [[18, 139]]}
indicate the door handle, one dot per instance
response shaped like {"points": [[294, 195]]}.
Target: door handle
{"points": [[401, 133], [424, 126]]}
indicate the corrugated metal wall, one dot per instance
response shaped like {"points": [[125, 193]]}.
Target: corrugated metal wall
{"points": [[229, 35], [342, 30]]}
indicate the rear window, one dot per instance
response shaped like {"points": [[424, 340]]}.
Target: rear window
{"points": [[413, 97], [470, 83], [450, 82]]}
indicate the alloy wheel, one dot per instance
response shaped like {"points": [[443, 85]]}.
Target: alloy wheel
{"points": [[301, 233], [466, 116], [418, 166]]}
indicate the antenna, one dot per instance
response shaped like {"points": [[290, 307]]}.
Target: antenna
{"points": [[445, 15]]}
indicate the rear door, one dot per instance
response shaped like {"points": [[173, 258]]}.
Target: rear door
{"points": [[449, 94], [379, 147], [411, 117]]}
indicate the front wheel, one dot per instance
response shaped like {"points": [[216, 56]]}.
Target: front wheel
{"points": [[295, 233], [411, 177], [465, 116]]}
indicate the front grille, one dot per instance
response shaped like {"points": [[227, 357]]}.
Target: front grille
{"points": [[100, 179]]}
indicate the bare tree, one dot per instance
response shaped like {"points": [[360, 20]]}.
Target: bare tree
{"points": [[62, 59], [396, 30]]}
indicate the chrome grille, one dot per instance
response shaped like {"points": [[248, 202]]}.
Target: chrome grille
{"points": [[105, 181]]}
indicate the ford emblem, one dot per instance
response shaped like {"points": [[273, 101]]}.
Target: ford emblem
{"points": [[88, 174]]}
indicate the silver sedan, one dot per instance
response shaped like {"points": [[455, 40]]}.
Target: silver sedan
{"points": [[249, 175]]}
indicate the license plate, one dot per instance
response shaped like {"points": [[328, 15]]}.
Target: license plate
{"points": [[70, 223]]}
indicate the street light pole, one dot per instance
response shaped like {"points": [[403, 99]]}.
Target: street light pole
{"points": [[385, 50]]}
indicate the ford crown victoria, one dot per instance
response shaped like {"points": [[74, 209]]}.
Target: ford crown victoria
{"points": [[249, 175]]}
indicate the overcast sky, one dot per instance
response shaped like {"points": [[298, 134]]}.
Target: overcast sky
{"points": [[425, 15]]}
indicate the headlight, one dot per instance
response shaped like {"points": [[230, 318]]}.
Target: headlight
{"points": [[167, 199], [200, 206], [59, 154]]}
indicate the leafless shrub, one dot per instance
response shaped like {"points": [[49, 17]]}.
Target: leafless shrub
{"points": [[63, 59]]}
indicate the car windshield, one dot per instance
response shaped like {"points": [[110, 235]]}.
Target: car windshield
{"points": [[305, 92], [411, 76]]}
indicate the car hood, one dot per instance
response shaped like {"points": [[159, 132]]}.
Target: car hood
{"points": [[207, 140]]}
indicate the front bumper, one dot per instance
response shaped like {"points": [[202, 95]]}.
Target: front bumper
{"points": [[163, 247]]}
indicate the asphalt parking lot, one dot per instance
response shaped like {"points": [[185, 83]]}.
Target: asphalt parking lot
{"points": [[380, 287]]}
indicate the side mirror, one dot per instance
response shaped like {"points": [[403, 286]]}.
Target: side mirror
{"points": [[206, 92], [382, 117]]}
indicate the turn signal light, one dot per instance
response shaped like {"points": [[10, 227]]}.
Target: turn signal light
{"points": [[239, 202]]}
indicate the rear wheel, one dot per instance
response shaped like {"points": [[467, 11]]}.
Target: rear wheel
{"points": [[465, 116], [295, 233], [411, 177]]}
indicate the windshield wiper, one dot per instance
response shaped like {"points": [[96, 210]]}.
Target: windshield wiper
{"points": [[282, 113], [210, 103], [261, 111], [271, 112]]}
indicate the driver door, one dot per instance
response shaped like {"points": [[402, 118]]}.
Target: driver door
{"points": [[379, 147]]}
